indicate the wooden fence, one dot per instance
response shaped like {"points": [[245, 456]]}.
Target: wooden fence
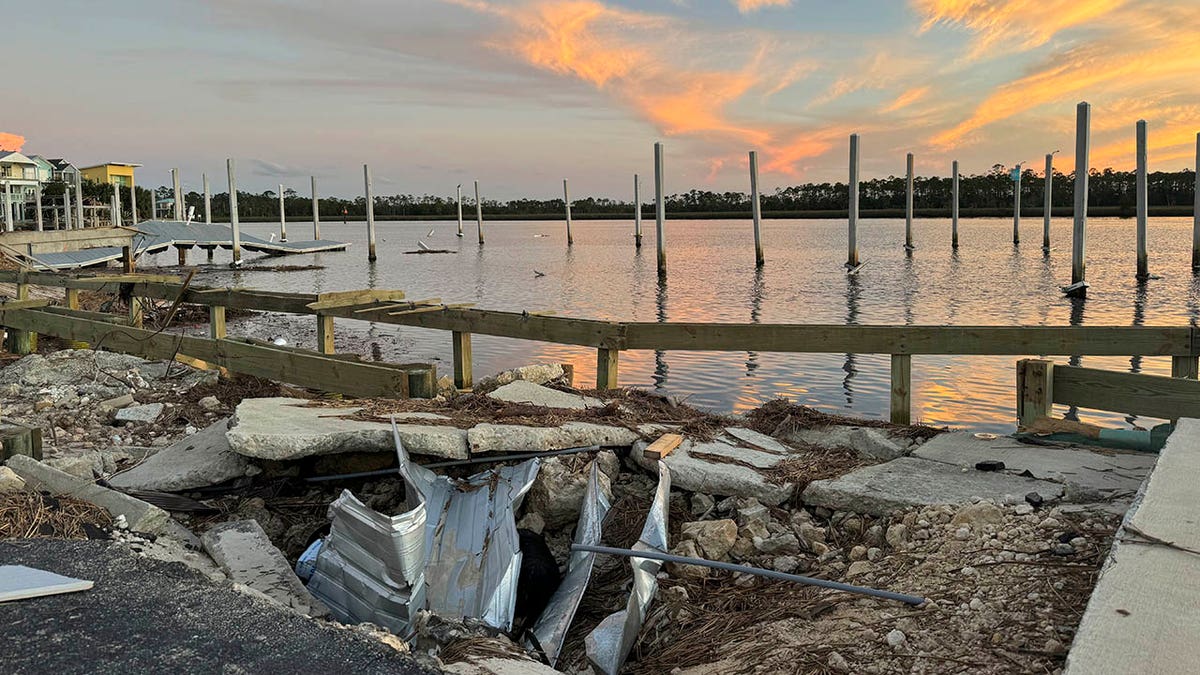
{"points": [[609, 338], [1041, 384]]}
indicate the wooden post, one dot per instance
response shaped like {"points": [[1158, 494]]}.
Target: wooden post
{"points": [[133, 205], [567, 203], [660, 210], [282, 216], [114, 208], [1047, 202], [67, 207], [233, 213], [901, 401], [71, 299], [135, 311], [79, 201], [458, 191], [478, 213], [37, 196], [908, 202], [606, 368], [216, 322], [1017, 205], [316, 210], [182, 251], [852, 259], [1196, 212], [462, 360], [1083, 121], [1143, 203], [756, 209], [370, 213], [127, 263], [1185, 366], [178, 194], [325, 333], [207, 201], [637, 210], [8, 218], [1035, 390]]}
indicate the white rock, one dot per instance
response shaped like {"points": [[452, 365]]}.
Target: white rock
{"points": [[557, 493], [896, 637], [522, 391], [714, 537], [10, 481], [140, 413], [537, 374]]}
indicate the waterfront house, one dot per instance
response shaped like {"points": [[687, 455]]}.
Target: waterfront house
{"points": [[18, 182], [115, 173], [63, 171]]}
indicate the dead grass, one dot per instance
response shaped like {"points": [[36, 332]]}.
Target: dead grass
{"points": [[781, 416], [39, 515], [810, 463]]}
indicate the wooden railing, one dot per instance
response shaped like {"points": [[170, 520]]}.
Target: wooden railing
{"points": [[611, 338], [1042, 383]]}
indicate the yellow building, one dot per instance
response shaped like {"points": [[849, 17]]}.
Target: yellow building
{"points": [[117, 173]]}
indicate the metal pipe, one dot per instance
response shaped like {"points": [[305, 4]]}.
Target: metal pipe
{"points": [[459, 462], [757, 571]]}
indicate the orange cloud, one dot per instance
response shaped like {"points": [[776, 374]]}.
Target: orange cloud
{"points": [[12, 142], [1174, 141], [906, 99], [1001, 25], [747, 6]]}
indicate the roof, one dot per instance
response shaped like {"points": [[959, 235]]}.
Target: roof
{"points": [[61, 164], [14, 157], [97, 166]]}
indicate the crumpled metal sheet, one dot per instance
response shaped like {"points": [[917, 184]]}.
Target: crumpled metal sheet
{"points": [[609, 643], [473, 554], [551, 627]]}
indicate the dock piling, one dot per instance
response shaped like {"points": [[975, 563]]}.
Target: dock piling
{"points": [[178, 194], [370, 213], [660, 210], [567, 203], [8, 218], [954, 204], [478, 214], [458, 190], [637, 212], [79, 201], [1047, 202], [462, 359], [1196, 212], [282, 216], [233, 213], [133, 204], [207, 202], [756, 209], [114, 208], [1017, 204], [1143, 267], [37, 195], [1083, 121], [900, 408], [852, 210], [908, 202], [67, 207], [316, 210]]}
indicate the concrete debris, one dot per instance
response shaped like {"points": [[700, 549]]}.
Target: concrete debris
{"points": [[199, 460], [714, 537], [537, 374], [140, 413], [558, 492], [286, 429], [868, 442], [10, 481], [98, 375], [511, 438], [243, 550], [723, 467], [498, 666], [522, 391], [116, 403]]}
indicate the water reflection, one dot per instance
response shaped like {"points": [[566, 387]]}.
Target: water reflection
{"points": [[1077, 307], [660, 357], [756, 300], [850, 365]]}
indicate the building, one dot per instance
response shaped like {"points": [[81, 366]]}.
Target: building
{"points": [[45, 170], [115, 173], [18, 185]]}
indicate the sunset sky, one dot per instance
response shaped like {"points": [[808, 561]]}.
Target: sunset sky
{"points": [[524, 93]]}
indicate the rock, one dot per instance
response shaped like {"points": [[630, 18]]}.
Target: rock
{"points": [[837, 663], [497, 665], [909, 481], [610, 464], [859, 568], [786, 563], [721, 468], [962, 533], [989, 465], [976, 604], [199, 460], [1022, 509], [43, 404], [750, 510], [537, 374], [210, 403], [522, 391], [702, 505], [714, 537], [783, 544], [243, 550], [140, 413], [557, 492], [742, 549], [10, 481], [1034, 499], [866, 441], [688, 549], [896, 535], [975, 515], [532, 522], [896, 637], [1049, 524], [858, 553], [285, 428], [874, 554], [509, 438]]}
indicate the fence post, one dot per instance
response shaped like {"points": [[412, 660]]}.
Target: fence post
{"points": [[216, 322], [606, 368], [1186, 367], [325, 333], [1035, 390], [72, 298], [901, 402], [20, 341], [462, 360]]}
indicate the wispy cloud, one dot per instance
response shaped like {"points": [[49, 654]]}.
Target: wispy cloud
{"points": [[906, 99], [747, 6], [1002, 25]]}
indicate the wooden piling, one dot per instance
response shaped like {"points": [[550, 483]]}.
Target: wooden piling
{"points": [[462, 359], [1047, 202], [1143, 266], [282, 216], [316, 210], [370, 194], [216, 322], [114, 208], [954, 204], [182, 251], [1035, 390], [178, 194], [37, 196], [1083, 121], [233, 213], [901, 398], [1196, 212], [67, 207], [567, 203], [458, 190], [756, 209], [325, 333], [852, 258], [1017, 205], [908, 202], [79, 201], [207, 201], [8, 217], [478, 213], [606, 368], [1186, 367], [128, 264], [660, 210], [133, 205], [637, 211]]}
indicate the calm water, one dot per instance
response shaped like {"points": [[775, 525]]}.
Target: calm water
{"points": [[712, 278]]}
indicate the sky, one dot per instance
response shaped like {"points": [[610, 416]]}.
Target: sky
{"points": [[521, 94]]}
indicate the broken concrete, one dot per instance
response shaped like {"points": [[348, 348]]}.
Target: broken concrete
{"points": [[509, 438], [495, 665], [522, 391], [911, 482], [141, 516], [537, 374], [140, 413], [199, 460], [728, 470], [868, 442], [557, 492], [243, 550], [1090, 474], [10, 481], [286, 428]]}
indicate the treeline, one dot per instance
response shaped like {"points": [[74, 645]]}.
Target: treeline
{"points": [[991, 192]]}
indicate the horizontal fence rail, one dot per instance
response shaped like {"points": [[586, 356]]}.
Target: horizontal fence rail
{"points": [[609, 338], [1041, 384]]}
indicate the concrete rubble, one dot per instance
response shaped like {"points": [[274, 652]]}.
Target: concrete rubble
{"points": [[726, 466], [199, 460], [523, 391], [243, 550]]}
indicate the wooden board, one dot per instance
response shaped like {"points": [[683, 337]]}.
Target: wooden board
{"points": [[1132, 393], [663, 446]]}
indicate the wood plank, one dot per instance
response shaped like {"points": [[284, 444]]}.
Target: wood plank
{"points": [[325, 334], [606, 368], [1185, 366], [1131, 393], [352, 298], [84, 314], [463, 378], [58, 241], [662, 446], [901, 398], [25, 304], [1035, 390], [585, 332], [216, 322]]}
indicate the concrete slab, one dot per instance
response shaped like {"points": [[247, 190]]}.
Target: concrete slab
{"points": [[508, 438], [1090, 474], [524, 391], [1143, 613], [868, 442], [286, 428], [722, 468], [910, 481], [199, 460], [140, 413], [247, 555]]}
